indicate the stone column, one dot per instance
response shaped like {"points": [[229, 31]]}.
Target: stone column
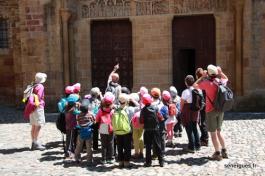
{"points": [[239, 8], [65, 15]]}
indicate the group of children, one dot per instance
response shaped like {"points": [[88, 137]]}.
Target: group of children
{"points": [[149, 119]]}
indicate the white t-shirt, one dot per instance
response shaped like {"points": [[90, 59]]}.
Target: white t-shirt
{"points": [[187, 95]]}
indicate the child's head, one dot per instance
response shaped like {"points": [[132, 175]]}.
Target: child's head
{"points": [[123, 99], [77, 88], [85, 106], [143, 90], [189, 80], [173, 92], [166, 96], [147, 99], [95, 92], [68, 90], [155, 93], [125, 90]]}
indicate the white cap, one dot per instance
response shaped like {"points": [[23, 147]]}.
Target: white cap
{"points": [[40, 78], [212, 70]]}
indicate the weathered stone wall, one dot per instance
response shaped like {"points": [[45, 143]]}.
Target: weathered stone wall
{"points": [[8, 56], [36, 43], [253, 57]]}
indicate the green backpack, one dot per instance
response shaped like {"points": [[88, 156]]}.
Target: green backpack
{"points": [[120, 122]]}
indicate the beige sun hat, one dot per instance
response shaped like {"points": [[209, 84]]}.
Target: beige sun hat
{"points": [[40, 78], [123, 98]]}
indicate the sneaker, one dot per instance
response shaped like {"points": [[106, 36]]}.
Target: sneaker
{"points": [[127, 164], [37, 146], [161, 163], [204, 143], [169, 144], [189, 150], [224, 153], [154, 157], [103, 162], [147, 164], [216, 156], [110, 161]]}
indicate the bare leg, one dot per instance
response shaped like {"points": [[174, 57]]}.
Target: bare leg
{"points": [[221, 139], [214, 141]]}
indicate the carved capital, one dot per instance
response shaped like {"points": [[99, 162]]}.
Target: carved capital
{"points": [[65, 14]]}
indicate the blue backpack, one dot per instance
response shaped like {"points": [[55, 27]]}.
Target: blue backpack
{"points": [[86, 132]]}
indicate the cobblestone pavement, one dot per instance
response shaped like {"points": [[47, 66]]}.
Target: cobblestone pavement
{"points": [[244, 139]]}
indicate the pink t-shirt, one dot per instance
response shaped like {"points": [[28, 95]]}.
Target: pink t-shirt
{"points": [[211, 91], [39, 90], [105, 118]]}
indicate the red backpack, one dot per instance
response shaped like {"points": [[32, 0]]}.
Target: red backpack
{"points": [[172, 109]]}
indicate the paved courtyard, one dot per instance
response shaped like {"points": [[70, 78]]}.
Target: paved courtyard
{"points": [[244, 134]]}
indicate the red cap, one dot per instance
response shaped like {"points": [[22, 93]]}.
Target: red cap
{"points": [[166, 95], [69, 90], [77, 87], [147, 99]]}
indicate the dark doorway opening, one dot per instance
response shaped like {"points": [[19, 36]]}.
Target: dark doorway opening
{"points": [[193, 42], [186, 67], [111, 43]]}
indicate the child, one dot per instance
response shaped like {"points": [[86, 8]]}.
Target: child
{"points": [[150, 117], [176, 100], [85, 121], [103, 118], [190, 118], [122, 129], [138, 141], [70, 122], [169, 112]]}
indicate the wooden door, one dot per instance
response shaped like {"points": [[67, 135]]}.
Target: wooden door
{"points": [[193, 41], [111, 43]]}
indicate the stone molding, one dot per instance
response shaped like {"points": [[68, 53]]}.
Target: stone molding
{"points": [[125, 8]]}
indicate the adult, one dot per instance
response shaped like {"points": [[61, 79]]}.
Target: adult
{"points": [[37, 117], [113, 85], [214, 118]]}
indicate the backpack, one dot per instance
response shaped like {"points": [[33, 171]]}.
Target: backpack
{"points": [[150, 117], [172, 109], [62, 105], [120, 122], [60, 123], [198, 102], [224, 99], [86, 132]]}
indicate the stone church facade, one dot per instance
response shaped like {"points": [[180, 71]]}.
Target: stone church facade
{"points": [[156, 43]]}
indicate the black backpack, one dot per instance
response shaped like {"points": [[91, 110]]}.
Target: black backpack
{"points": [[149, 114], [224, 99], [198, 102], [60, 123]]}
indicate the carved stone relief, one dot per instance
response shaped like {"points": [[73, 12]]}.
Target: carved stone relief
{"points": [[104, 8], [191, 6], [152, 7]]}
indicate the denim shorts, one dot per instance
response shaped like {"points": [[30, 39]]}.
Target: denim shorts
{"points": [[214, 120]]}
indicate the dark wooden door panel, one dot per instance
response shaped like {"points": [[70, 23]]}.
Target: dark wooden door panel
{"points": [[192, 36], [111, 43]]}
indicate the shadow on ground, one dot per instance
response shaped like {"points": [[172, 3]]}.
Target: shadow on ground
{"points": [[13, 150]]}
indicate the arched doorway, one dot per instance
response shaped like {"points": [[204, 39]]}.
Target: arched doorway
{"points": [[111, 43], [193, 42]]}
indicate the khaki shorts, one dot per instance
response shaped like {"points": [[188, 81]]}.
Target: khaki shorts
{"points": [[37, 117], [214, 120]]}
